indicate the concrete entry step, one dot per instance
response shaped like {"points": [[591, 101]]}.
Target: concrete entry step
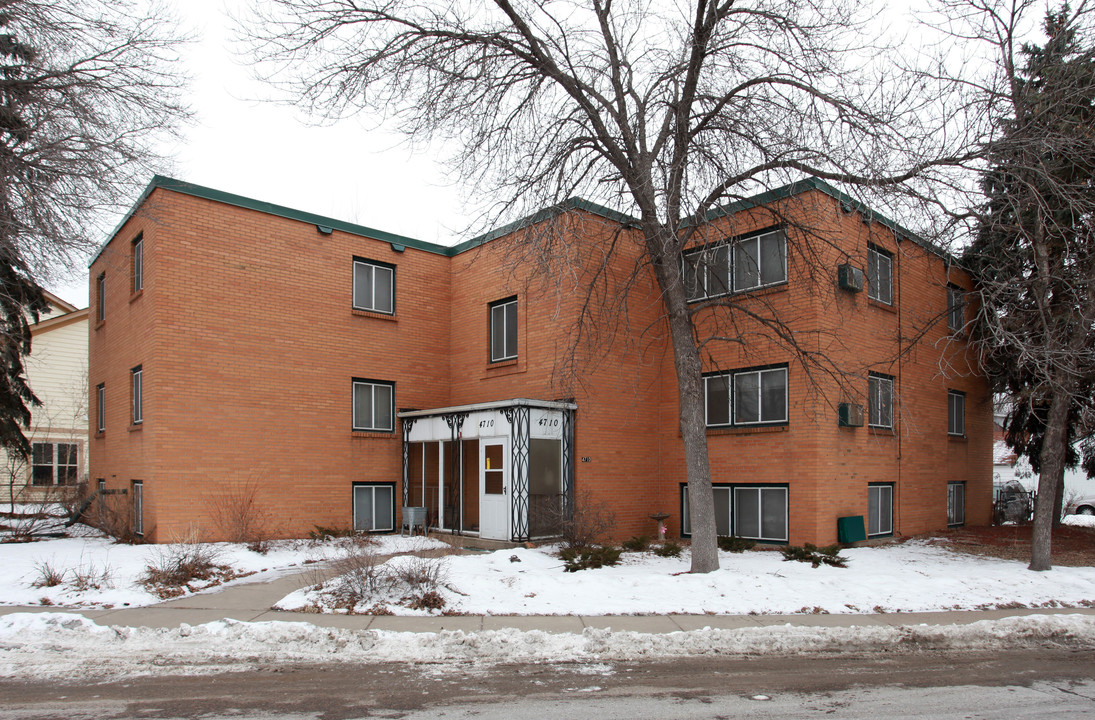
{"points": [[471, 542]]}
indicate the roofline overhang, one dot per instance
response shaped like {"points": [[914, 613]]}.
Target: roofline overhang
{"points": [[492, 405]]}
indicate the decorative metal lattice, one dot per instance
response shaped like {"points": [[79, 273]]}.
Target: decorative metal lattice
{"points": [[408, 423], [520, 422], [454, 502], [568, 464]]}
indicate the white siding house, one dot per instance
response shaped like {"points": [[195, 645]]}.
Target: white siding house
{"points": [[57, 373]]}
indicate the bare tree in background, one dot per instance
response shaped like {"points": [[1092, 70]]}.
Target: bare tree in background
{"points": [[87, 87], [664, 110], [1034, 249]]}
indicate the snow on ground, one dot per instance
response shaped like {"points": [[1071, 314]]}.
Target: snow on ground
{"points": [[50, 645], [908, 577], [111, 571], [1079, 520]]}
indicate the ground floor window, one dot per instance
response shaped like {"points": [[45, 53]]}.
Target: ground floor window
{"points": [[55, 463], [374, 507], [138, 507], [758, 512], [880, 509], [956, 503]]}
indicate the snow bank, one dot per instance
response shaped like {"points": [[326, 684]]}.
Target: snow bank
{"points": [[49, 645]]}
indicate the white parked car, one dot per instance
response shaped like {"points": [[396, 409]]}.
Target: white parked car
{"points": [[1081, 506]]}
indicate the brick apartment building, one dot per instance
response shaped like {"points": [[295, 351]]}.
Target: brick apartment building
{"points": [[340, 372]]}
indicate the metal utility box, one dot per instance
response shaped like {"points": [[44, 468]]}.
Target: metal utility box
{"points": [[850, 529], [850, 415], [849, 277]]}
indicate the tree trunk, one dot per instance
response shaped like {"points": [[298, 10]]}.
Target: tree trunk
{"points": [[1054, 442], [1059, 498]]}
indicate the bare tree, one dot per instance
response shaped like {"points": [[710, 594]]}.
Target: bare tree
{"points": [[665, 110], [87, 89], [1034, 251]]}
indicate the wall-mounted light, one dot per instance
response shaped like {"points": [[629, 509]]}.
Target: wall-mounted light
{"points": [[398, 248], [324, 230]]}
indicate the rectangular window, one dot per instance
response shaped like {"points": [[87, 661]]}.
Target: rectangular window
{"points": [[55, 463], [138, 402], [956, 412], [138, 507], [879, 275], [503, 330], [100, 297], [374, 507], [956, 308], [374, 286], [880, 401], [138, 264], [880, 509], [956, 503], [746, 397], [374, 404], [758, 513], [100, 407], [751, 263]]}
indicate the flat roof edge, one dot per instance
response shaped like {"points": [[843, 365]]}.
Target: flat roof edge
{"points": [[491, 405]]}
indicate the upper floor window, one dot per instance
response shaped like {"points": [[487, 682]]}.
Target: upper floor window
{"points": [[135, 376], [956, 412], [374, 403], [100, 297], [503, 330], [956, 308], [736, 266], [374, 286], [879, 275], [138, 264], [100, 403], [746, 397], [880, 400]]}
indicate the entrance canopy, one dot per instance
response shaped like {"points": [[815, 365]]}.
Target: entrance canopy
{"points": [[502, 470]]}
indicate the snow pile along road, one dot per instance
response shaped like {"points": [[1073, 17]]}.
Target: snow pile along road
{"points": [[49, 645]]}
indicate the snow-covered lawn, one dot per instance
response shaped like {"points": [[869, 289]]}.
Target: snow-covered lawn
{"points": [[911, 576], [96, 572]]}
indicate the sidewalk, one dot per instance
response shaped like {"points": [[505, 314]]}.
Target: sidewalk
{"points": [[251, 602]]}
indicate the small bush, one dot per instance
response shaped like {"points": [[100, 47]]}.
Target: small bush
{"points": [[174, 567], [589, 557], [431, 600], [735, 544], [639, 543], [91, 577], [668, 549], [589, 523], [325, 533], [829, 555], [48, 575], [240, 516]]}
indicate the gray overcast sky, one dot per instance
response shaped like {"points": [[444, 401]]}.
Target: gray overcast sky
{"points": [[267, 152]]}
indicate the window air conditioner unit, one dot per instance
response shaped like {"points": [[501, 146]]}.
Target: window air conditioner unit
{"points": [[849, 277], [850, 415]]}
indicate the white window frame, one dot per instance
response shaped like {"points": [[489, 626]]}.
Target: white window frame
{"points": [[877, 258], [882, 520], [100, 409], [956, 413], [956, 491], [716, 265], [369, 424], [956, 308], [137, 390], [138, 264], [371, 304], [372, 487], [505, 312], [54, 464], [731, 397], [875, 407], [100, 294], [137, 488]]}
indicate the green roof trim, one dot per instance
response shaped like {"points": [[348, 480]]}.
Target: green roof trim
{"points": [[548, 213], [320, 221], [813, 183]]}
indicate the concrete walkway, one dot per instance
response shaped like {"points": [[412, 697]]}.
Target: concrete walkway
{"points": [[251, 602]]}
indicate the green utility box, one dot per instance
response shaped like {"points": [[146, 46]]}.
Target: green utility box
{"points": [[850, 529]]}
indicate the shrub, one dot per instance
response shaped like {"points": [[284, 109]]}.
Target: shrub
{"points": [[830, 555], [668, 549], [48, 575], [589, 557], [735, 544], [174, 567], [639, 543], [588, 524], [91, 577], [236, 510]]}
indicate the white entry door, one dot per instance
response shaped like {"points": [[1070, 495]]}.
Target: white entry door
{"points": [[494, 489]]}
